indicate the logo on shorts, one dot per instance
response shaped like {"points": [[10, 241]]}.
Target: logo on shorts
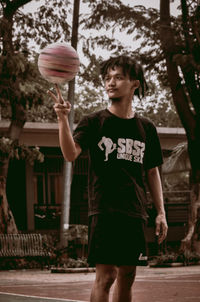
{"points": [[142, 257]]}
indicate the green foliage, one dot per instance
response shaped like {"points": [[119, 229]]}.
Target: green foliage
{"points": [[179, 182], [88, 100], [21, 81], [77, 231], [137, 22], [11, 149], [143, 25], [172, 257], [5, 146], [18, 82], [73, 263], [159, 108], [72, 255], [33, 31], [48, 24]]}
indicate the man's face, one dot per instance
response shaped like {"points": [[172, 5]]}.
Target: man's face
{"points": [[118, 85]]}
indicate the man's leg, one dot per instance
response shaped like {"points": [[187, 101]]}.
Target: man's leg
{"points": [[105, 276], [123, 287]]}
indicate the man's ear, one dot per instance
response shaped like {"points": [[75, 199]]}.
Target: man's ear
{"points": [[136, 84]]}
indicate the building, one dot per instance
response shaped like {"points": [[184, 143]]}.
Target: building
{"points": [[36, 203]]}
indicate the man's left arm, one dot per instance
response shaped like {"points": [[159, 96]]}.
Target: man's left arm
{"points": [[155, 188]]}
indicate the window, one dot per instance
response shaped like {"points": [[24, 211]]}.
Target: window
{"points": [[55, 188], [48, 181], [39, 189]]}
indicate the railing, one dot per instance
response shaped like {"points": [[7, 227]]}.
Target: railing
{"points": [[177, 207], [176, 196], [22, 245]]}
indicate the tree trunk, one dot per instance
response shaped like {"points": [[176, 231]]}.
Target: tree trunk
{"points": [[189, 121], [7, 220], [192, 239]]}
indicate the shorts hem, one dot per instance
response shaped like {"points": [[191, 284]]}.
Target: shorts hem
{"points": [[137, 263]]}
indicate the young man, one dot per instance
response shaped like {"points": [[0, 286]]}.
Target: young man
{"points": [[124, 151]]}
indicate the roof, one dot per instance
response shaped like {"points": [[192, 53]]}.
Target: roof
{"points": [[46, 134]]}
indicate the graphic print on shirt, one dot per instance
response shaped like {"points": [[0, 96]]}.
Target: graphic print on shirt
{"points": [[109, 146], [127, 149]]}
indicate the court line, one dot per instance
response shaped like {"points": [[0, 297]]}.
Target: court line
{"points": [[39, 284], [167, 281], [39, 297]]}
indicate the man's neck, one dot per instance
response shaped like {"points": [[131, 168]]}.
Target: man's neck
{"points": [[122, 110]]}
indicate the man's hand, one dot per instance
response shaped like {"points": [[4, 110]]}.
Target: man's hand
{"points": [[161, 227], [61, 107]]}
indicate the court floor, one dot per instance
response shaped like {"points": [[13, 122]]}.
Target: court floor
{"points": [[8, 297], [181, 284]]}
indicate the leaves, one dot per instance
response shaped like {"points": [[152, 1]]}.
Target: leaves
{"points": [[179, 155], [12, 149], [101, 28], [21, 81], [47, 25]]}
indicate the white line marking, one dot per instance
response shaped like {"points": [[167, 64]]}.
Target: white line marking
{"points": [[38, 284], [167, 281], [39, 297]]}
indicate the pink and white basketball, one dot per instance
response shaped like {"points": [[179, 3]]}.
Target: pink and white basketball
{"points": [[58, 63]]}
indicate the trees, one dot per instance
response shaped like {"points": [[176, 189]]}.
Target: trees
{"points": [[13, 66], [132, 30], [182, 54], [21, 88]]}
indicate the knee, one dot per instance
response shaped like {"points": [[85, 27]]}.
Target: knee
{"points": [[126, 276], [106, 280]]}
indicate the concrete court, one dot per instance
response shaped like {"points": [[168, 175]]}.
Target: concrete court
{"points": [[178, 284]]}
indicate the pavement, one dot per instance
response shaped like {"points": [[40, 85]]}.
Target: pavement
{"points": [[171, 284]]}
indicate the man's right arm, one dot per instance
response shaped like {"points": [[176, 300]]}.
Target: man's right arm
{"points": [[69, 147]]}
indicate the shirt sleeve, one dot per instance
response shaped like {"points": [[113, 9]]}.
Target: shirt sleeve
{"points": [[153, 154], [81, 133]]}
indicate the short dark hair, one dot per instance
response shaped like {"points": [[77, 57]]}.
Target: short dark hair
{"points": [[130, 67]]}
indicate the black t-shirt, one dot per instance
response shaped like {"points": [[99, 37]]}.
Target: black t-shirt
{"points": [[120, 150]]}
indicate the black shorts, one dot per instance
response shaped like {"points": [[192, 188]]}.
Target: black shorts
{"points": [[116, 239]]}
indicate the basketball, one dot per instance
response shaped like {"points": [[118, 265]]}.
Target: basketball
{"points": [[58, 63]]}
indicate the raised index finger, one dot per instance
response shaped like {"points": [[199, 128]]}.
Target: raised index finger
{"points": [[59, 95], [53, 96]]}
